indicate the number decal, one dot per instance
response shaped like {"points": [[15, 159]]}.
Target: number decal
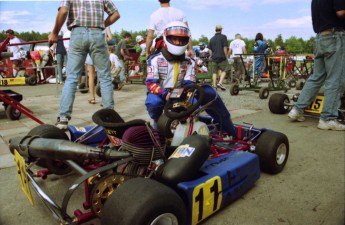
{"points": [[3, 82], [316, 105], [207, 198]]}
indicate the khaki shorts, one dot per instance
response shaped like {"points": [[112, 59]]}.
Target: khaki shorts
{"points": [[223, 66]]}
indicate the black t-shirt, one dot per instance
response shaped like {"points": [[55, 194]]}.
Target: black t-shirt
{"points": [[217, 44], [324, 14]]}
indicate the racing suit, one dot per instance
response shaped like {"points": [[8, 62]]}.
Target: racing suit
{"points": [[164, 75]]}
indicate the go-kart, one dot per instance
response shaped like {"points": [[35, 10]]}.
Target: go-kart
{"points": [[132, 174], [282, 103]]}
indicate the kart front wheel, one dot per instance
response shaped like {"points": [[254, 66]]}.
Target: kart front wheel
{"points": [[12, 113], [143, 201], [264, 93], [300, 84], [273, 151], [278, 103], [234, 89]]}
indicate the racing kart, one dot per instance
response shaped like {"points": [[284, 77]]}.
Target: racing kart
{"points": [[282, 103], [134, 174]]}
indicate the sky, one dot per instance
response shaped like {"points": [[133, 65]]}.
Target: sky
{"points": [[247, 17]]}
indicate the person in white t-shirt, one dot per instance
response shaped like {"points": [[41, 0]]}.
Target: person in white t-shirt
{"points": [[158, 20], [15, 59], [237, 46]]}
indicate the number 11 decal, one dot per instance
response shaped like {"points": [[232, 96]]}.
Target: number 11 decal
{"points": [[207, 198]]}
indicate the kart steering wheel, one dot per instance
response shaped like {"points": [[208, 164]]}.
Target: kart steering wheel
{"points": [[190, 100]]}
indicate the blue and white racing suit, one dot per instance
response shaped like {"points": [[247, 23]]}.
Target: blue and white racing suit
{"points": [[164, 75]]}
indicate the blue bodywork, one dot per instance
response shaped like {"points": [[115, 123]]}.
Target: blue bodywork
{"points": [[222, 180]]}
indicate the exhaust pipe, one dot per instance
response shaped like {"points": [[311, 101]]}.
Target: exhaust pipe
{"points": [[35, 147]]}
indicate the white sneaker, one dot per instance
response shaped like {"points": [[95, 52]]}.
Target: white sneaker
{"points": [[62, 123], [330, 125], [294, 114]]}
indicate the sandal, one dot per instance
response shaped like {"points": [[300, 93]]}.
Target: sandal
{"points": [[92, 101]]}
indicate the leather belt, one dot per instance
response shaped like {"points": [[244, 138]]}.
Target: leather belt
{"points": [[91, 28], [331, 30]]}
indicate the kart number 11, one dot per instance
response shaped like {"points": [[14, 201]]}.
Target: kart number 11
{"points": [[207, 198]]}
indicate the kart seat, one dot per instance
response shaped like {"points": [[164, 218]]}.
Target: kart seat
{"points": [[111, 120]]}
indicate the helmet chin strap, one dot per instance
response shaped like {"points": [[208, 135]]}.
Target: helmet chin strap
{"points": [[170, 57]]}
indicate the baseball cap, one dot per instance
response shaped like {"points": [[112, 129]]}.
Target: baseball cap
{"points": [[219, 27]]}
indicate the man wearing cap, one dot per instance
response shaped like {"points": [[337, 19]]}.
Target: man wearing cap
{"points": [[218, 46]]}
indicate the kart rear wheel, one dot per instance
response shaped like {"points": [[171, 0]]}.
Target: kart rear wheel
{"points": [[31, 80], [300, 84], [264, 93], [234, 89], [82, 88], [278, 103], [273, 151], [143, 201], [12, 113], [292, 83], [49, 131]]}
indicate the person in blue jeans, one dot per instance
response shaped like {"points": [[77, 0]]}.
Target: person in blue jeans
{"points": [[260, 47], [86, 37], [328, 19]]}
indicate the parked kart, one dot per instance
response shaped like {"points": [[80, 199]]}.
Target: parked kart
{"points": [[282, 103], [133, 175]]}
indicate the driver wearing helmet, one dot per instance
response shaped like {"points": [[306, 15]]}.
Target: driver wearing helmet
{"points": [[170, 69]]}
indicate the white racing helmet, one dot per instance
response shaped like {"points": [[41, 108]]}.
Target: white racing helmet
{"points": [[176, 30], [139, 38]]}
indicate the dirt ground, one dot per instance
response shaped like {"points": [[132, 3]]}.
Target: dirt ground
{"points": [[310, 190]]}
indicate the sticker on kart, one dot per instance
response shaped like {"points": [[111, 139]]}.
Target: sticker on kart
{"points": [[316, 106], [207, 198], [12, 81], [22, 176]]}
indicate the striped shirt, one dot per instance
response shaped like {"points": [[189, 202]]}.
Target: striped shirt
{"points": [[87, 13]]}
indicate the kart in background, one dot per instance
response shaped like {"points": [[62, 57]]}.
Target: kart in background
{"points": [[132, 174], [29, 73], [282, 103]]}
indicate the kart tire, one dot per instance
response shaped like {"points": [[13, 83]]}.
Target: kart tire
{"points": [[12, 113], [273, 151], [264, 93], [277, 103], [234, 89], [300, 84], [49, 131], [164, 125], [143, 201], [82, 88], [98, 91], [292, 83], [31, 80]]}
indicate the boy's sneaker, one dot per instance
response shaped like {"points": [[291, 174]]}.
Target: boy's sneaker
{"points": [[294, 114], [330, 125], [62, 123], [221, 86]]}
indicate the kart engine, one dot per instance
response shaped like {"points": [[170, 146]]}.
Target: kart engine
{"points": [[144, 143]]}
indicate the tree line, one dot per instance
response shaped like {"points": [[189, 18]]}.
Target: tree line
{"points": [[292, 44]]}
